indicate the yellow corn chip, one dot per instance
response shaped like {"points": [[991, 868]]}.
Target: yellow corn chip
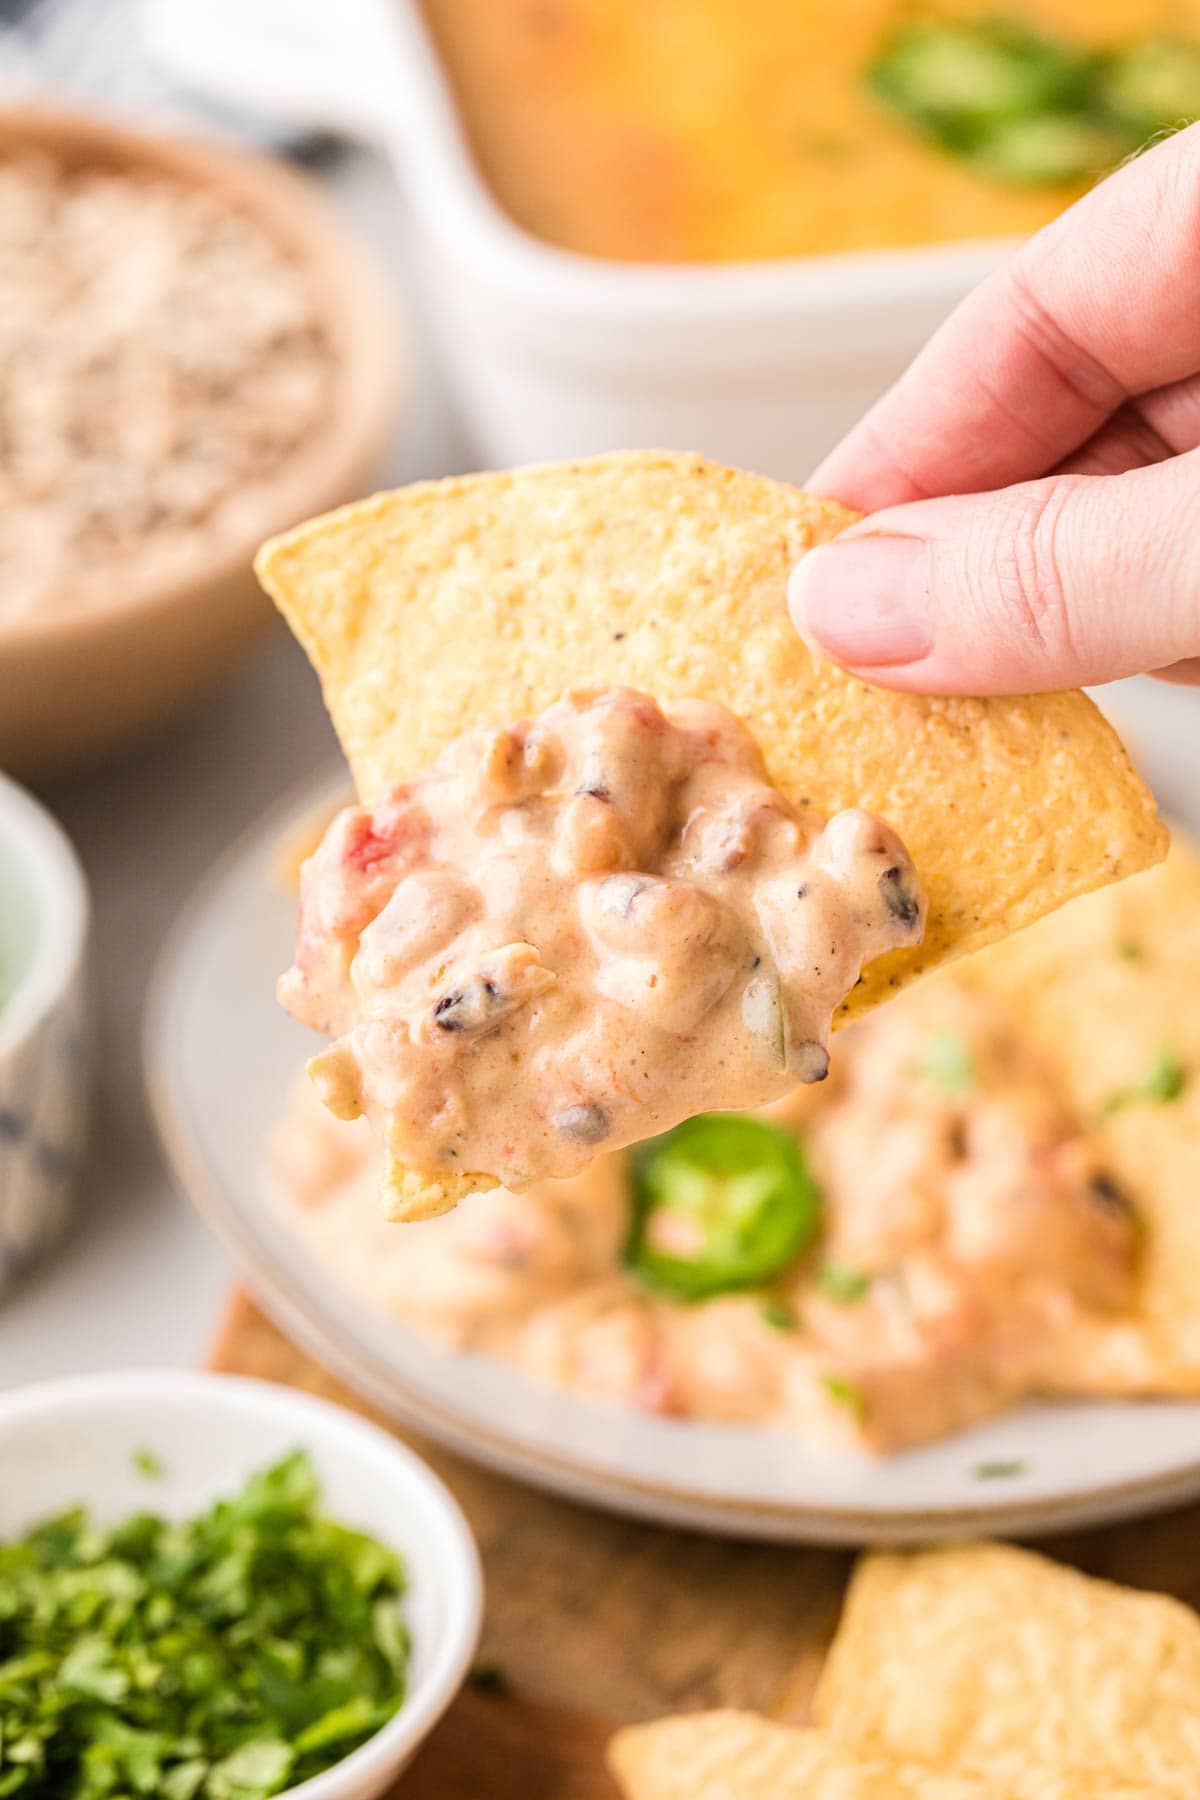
{"points": [[1107, 991], [480, 600], [993, 1662], [738, 1756], [412, 1194], [458, 603]]}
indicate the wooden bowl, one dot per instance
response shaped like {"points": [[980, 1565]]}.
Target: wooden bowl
{"points": [[75, 685]]}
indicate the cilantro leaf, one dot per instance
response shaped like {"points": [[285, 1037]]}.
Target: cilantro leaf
{"points": [[947, 1060], [1163, 1082], [847, 1394], [1002, 1469], [258, 1767], [841, 1283], [488, 1678], [780, 1315]]}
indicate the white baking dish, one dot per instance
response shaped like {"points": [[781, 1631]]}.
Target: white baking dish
{"points": [[555, 354]]}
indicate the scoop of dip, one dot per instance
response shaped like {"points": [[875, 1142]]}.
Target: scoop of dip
{"points": [[577, 931]]}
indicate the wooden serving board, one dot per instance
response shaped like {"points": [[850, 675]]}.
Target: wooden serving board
{"points": [[596, 1621]]}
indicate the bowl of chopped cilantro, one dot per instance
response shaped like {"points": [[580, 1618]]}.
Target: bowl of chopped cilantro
{"points": [[219, 1589]]}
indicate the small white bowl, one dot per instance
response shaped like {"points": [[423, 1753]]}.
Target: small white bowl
{"points": [[44, 1076], [63, 1442]]}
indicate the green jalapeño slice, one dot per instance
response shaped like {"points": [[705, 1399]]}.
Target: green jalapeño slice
{"points": [[725, 1201]]}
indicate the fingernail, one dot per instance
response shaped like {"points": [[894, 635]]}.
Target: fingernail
{"points": [[865, 601]]}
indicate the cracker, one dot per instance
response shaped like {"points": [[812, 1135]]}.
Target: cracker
{"points": [[738, 1756], [989, 1661]]}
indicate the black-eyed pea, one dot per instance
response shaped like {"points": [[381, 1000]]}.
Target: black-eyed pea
{"points": [[591, 837], [481, 997], [585, 1123]]}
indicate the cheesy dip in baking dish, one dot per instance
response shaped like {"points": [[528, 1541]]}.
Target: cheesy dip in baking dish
{"points": [[718, 130]]}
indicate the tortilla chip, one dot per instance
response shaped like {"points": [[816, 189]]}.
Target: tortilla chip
{"points": [[738, 1756], [989, 1661], [480, 600], [410, 1194], [1107, 993]]}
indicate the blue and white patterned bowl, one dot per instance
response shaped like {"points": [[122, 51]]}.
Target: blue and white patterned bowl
{"points": [[44, 1073]]}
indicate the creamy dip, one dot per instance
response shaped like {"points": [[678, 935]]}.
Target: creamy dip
{"points": [[576, 931], [973, 1248]]}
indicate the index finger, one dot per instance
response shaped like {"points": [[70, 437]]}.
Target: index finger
{"points": [[1098, 307]]}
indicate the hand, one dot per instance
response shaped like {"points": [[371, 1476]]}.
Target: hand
{"points": [[1073, 373]]}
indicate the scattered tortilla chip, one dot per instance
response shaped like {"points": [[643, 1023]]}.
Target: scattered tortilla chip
{"points": [[1107, 992], [738, 1756], [480, 600], [989, 1661]]}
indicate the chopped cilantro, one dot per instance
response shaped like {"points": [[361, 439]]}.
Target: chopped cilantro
{"points": [[1164, 1081], [948, 1061], [489, 1678], [843, 1284], [847, 1394], [1000, 1470], [147, 1463], [1029, 108], [779, 1315], [226, 1657]]}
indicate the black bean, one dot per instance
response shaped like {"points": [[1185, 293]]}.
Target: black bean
{"points": [[619, 892], [587, 1124], [802, 890], [810, 1061], [1111, 1196], [467, 1008], [898, 897]]}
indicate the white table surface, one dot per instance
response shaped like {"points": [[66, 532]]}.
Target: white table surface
{"points": [[139, 1280]]}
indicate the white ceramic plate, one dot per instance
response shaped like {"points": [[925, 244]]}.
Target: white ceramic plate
{"points": [[222, 1058]]}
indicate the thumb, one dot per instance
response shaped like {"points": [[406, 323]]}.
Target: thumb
{"points": [[1049, 584]]}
